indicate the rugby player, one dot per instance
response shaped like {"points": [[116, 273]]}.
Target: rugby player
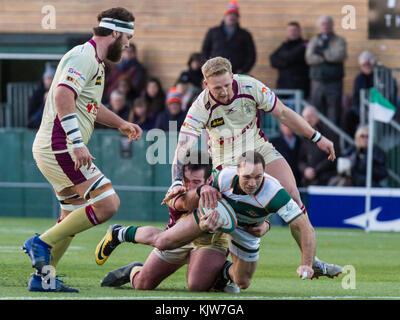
{"points": [[86, 196], [229, 109], [255, 196], [205, 256]]}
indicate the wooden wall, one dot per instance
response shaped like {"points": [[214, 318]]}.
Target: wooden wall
{"points": [[167, 31]]}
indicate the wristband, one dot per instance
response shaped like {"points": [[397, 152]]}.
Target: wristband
{"points": [[70, 125], [316, 137], [176, 183]]}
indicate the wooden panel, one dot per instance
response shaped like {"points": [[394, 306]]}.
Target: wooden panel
{"points": [[167, 32]]}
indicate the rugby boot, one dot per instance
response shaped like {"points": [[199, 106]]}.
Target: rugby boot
{"points": [[119, 277], [107, 244]]}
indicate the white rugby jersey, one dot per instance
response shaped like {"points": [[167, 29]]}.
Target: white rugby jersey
{"points": [[234, 127], [81, 71], [270, 198]]}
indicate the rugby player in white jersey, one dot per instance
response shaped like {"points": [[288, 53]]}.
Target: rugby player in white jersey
{"points": [[229, 110], [86, 196], [255, 196]]}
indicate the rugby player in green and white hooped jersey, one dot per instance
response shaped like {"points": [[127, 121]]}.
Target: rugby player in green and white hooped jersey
{"points": [[255, 196]]}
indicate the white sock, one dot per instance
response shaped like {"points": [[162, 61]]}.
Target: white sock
{"points": [[121, 234]]}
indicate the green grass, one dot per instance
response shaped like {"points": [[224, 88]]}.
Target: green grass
{"points": [[375, 257]]}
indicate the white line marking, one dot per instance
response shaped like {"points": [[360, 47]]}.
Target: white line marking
{"points": [[199, 298]]}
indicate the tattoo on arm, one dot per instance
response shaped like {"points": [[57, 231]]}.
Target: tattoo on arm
{"points": [[185, 144]]}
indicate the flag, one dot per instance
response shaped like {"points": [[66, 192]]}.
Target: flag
{"points": [[382, 109]]}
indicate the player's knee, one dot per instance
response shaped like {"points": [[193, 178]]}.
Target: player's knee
{"points": [[197, 286], [143, 284]]}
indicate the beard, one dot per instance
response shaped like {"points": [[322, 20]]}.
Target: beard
{"points": [[114, 52]]}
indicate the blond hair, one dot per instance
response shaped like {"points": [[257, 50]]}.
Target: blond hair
{"points": [[215, 67]]}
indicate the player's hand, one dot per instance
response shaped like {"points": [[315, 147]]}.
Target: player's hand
{"points": [[305, 272], [326, 145], [209, 196], [82, 157], [131, 130], [173, 192], [257, 230], [209, 222]]}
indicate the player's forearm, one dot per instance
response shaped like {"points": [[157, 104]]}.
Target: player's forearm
{"points": [[308, 242], [108, 118], [64, 100], [292, 120], [185, 144], [188, 202]]}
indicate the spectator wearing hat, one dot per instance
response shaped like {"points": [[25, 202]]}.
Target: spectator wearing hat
{"points": [[194, 70], [187, 91], [37, 100], [173, 112], [130, 68], [230, 41]]}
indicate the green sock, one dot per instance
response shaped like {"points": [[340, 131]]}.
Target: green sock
{"points": [[130, 234]]}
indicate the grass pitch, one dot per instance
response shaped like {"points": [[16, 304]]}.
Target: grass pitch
{"points": [[374, 257]]}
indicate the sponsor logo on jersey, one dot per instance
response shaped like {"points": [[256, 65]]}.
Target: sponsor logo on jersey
{"points": [[265, 90], [208, 105], [98, 81], [247, 87], [80, 75], [217, 122], [229, 140], [92, 107]]}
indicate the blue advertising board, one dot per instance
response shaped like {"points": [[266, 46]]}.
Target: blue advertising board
{"points": [[344, 207]]}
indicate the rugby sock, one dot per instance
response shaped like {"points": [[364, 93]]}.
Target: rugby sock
{"points": [[127, 234], [134, 272], [77, 221], [59, 249]]}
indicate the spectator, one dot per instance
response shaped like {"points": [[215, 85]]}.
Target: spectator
{"points": [[194, 70], [187, 91], [289, 145], [173, 112], [326, 53], [37, 100], [358, 157], [124, 85], [364, 80], [314, 166], [130, 68], [230, 41], [138, 114], [36, 118], [290, 61], [155, 97], [118, 105]]}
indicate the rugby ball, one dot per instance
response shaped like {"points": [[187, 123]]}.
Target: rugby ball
{"points": [[226, 214]]}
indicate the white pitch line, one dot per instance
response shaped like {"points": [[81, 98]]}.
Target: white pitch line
{"points": [[203, 298]]}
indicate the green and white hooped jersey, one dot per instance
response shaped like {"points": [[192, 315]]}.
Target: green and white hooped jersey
{"points": [[270, 198]]}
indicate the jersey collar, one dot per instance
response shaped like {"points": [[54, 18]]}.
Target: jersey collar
{"points": [[93, 43]]}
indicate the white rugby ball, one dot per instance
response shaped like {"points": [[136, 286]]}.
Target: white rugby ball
{"points": [[226, 214]]}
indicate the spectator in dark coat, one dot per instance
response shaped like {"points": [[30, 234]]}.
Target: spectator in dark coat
{"points": [[288, 144], [138, 115], [230, 41], [325, 54], [130, 68], [358, 157], [193, 73], [314, 166], [155, 97], [37, 100], [173, 112], [290, 61]]}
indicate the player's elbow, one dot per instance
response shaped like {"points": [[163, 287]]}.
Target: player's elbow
{"points": [[163, 243]]}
